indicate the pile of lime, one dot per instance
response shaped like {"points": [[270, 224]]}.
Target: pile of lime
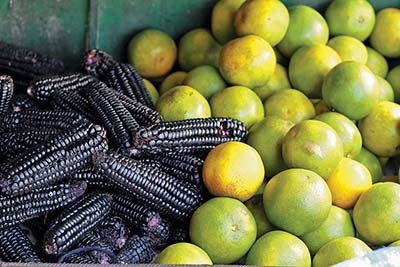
{"points": [[321, 102]]}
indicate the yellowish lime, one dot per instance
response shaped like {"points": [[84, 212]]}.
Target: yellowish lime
{"points": [[266, 18], [338, 224], [183, 253], [206, 80], [380, 129], [369, 160], [289, 104], [355, 18], [349, 48], [237, 102], [222, 18], [198, 47], [297, 200], [172, 80], [377, 63], [347, 182], [312, 145], [249, 61], [279, 80], [338, 250], [377, 213], [279, 248], [306, 27], [181, 103], [346, 130], [308, 67], [266, 137], [224, 228]]}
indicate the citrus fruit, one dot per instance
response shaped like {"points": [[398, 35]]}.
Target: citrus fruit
{"points": [[183, 253], [351, 89], [233, 169], [321, 107], [346, 130], [385, 37], [198, 47], [349, 48], [279, 80], [152, 91], [256, 207], [224, 228], [355, 18], [377, 63], [237, 102], [308, 67], [386, 90], [337, 224], [393, 78], [289, 104], [297, 200], [222, 18], [279, 248], [181, 103], [312, 145], [306, 27], [377, 214], [395, 244], [369, 160], [172, 80], [380, 129], [206, 80], [266, 137], [268, 19], [152, 53], [338, 250], [347, 182], [249, 61]]}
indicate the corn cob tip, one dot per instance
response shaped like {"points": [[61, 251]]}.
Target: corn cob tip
{"points": [[51, 249], [5, 78], [80, 188]]}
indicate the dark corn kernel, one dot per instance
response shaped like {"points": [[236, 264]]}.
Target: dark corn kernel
{"points": [[93, 180], [125, 79], [179, 233], [97, 63], [143, 220], [6, 93], [166, 194], [13, 143], [76, 221], [144, 115], [137, 250], [16, 246], [59, 119], [22, 102], [186, 136], [52, 163], [92, 239], [114, 116], [42, 89], [67, 100], [113, 232], [185, 166], [81, 258], [24, 64], [16, 209]]}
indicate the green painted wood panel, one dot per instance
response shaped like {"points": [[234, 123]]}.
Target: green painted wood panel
{"points": [[54, 27], [67, 28]]}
